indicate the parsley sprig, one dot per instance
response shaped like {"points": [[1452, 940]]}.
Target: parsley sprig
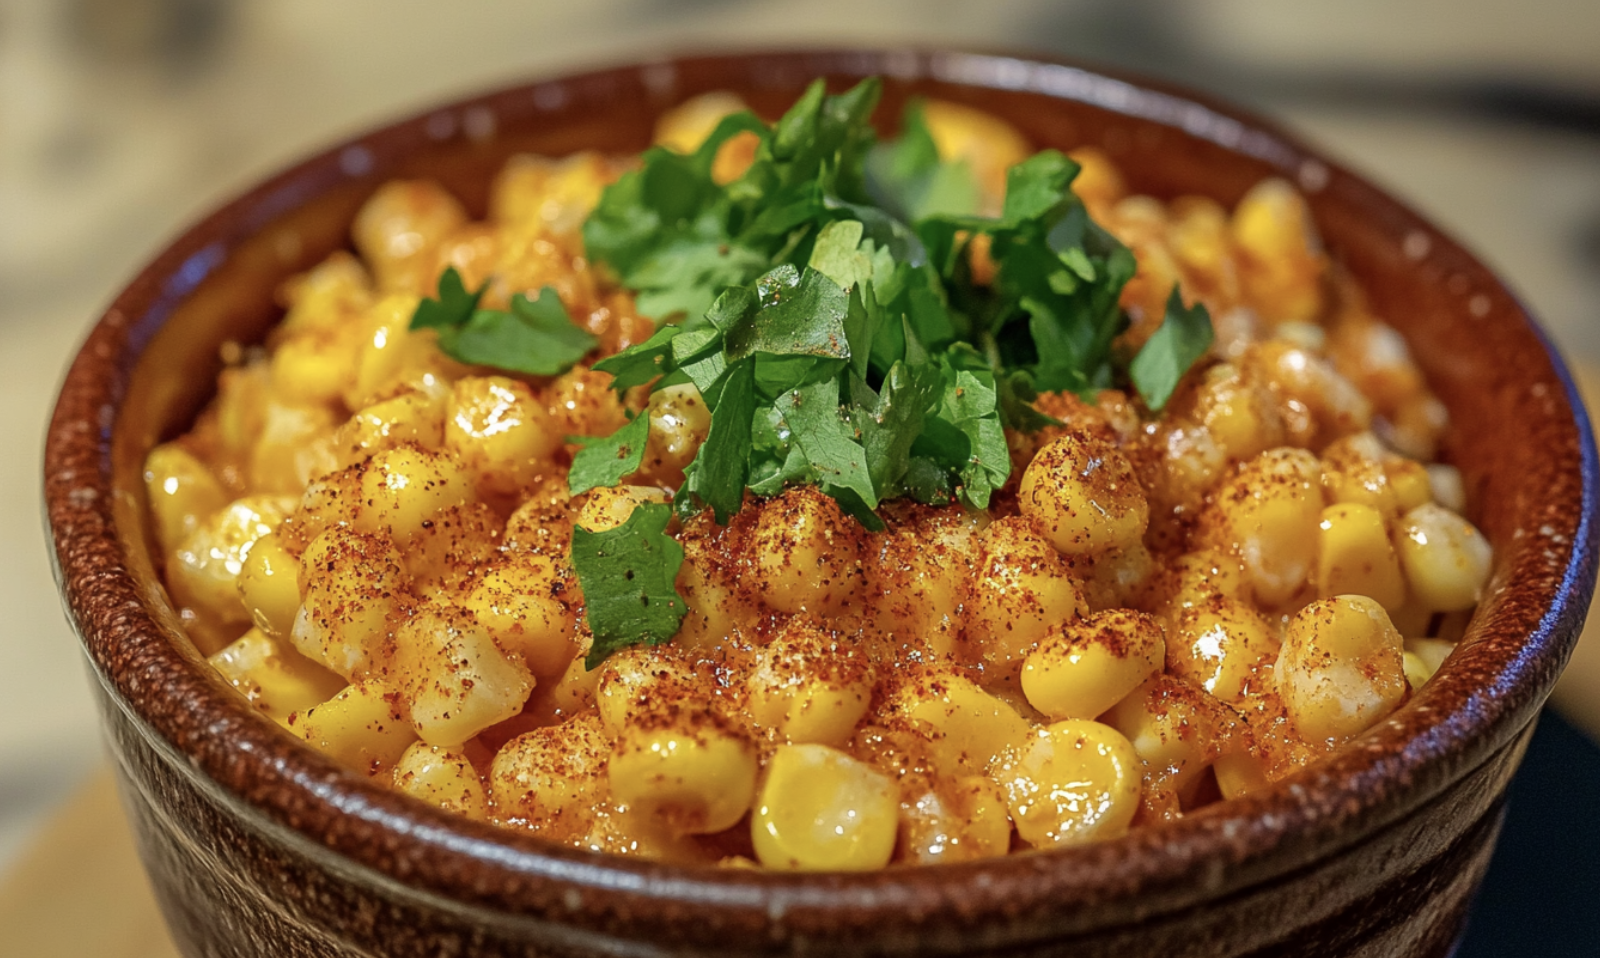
{"points": [[536, 336]]}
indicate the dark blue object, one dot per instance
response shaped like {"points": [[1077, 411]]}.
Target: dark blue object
{"points": [[1542, 895]]}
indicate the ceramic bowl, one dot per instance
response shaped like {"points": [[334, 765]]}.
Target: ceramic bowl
{"points": [[258, 846]]}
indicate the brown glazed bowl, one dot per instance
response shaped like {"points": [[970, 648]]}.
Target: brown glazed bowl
{"points": [[258, 846]]}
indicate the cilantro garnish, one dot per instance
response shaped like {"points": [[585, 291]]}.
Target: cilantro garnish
{"points": [[536, 336], [824, 306], [1183, 337], [627, 577]]}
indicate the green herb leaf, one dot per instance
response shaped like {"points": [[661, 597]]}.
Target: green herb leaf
{"points": [[535, 337], [627, 576], [1183, 337], [606, 461], [721, 467], [812, 415], [453, 307]]}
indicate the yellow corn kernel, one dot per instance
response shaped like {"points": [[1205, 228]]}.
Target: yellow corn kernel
{"points": [[686, 766], [1448, 488], [360, 727], [388, 349], [1446, 559], [1423, 657], [1240, 773], [404, 487], [1273, 230], [1072, 782], [987, 144], [821, 810], [807, 553], [204, 570], [442, 777], [182, 492], [242, 393], [1022, 589], [398, 229], [1175, 726], [353, 583], [517, 602], [1270, 510], [553, 779], [1223, 646], [679, 423], [1083, 668], [1084, 495], [272, 677], [1410, 480], [1355, 556], [1241, 415], [956, 821], [975, 728], [457, 680], [327, 296], [914, 587], [312, 366], [499, 432], [1353, 472], [639, 680], [610, 506], [536, 192], [269, 584], [1340, 670], [292, 447], [1196, 577], [453, 545], [414, 416], [810, 686], [1316, 402]]}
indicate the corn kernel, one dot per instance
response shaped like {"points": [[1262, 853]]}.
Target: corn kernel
{"points": [[354, 583], [1423, 657], [1022, 588], [516, 602], [1355, 556], [182, 492], [807, 552], [553, 779], [810, 686], [1173, 725], [404, 487], [1340, 670], [610, 506], [1222, 645], [1446, 560], [1081, 669], [499, 432], [1072, 782], [273, 677], [1085, 496], [204, 570], [360, 727], [269, 584], [686, 766], [975, 728], [457, 680], [821, 810], [1270, 509], [442, 777]]}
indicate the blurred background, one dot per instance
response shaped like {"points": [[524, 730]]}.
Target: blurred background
{"points": [[121, 120]]}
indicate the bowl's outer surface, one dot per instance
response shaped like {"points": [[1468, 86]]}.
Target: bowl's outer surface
{"points": [[257, 846]]}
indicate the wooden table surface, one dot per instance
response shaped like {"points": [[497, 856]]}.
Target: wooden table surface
{"points": [[80, 890]]}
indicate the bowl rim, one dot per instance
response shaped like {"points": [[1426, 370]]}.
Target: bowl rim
{"points": [[336, 816]]}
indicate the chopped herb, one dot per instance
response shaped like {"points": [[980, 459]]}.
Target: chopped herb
{"points": [[1183, 337], [535, 337], [607, 460], [824, 305], [627, 577]]}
